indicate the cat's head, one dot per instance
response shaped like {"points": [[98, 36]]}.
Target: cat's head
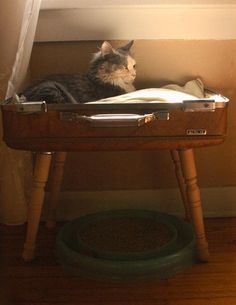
{"points": [[115, 66]]}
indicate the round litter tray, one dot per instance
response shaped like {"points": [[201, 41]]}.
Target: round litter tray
{"points": [[125, 235], [126, 245]]}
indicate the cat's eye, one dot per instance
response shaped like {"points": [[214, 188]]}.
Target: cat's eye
{"points": [[127, 68]]}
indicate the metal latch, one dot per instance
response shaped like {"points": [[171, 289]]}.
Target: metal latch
{"points": [[162, 115], [20, 104], [30, 107], [199, 105]]}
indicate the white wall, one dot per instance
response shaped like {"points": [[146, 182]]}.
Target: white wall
{"points": [[136, 19], [53, 4]]}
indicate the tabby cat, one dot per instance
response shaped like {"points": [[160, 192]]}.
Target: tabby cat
{"points": [[111, 72]]}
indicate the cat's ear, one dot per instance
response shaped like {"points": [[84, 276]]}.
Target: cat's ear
{"points": [[106, 48], [127, 47]]}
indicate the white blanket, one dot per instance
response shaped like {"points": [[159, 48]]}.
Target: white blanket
{"points": [[172, 93]]}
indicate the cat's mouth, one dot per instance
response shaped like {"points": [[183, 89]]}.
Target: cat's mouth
{"points": [[130, 80]]}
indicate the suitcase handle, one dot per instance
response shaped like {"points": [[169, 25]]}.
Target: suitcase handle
{"points": [[113, 120]]}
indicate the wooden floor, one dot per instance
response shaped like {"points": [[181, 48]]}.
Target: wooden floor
{"points": [[43, 282]]}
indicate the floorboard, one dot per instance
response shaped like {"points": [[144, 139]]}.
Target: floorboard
{"points": [[44, 282]]}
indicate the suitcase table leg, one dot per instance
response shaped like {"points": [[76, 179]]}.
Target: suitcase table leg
{"points": [[59, 159], [181, 182], [41, 171], [194, 199]]}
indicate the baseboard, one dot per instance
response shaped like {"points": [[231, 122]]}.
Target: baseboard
{"points": [[216, 202]]}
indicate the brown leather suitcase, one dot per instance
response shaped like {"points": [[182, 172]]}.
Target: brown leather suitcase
{"points": [[111, 125]]}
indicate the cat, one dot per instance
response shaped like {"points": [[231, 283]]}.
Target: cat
{"points": [[111, 72]]}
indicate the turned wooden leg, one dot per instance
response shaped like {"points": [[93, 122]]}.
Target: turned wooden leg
{"points": [[55, 186], [41, 171], [194, 199], [181, 182]]}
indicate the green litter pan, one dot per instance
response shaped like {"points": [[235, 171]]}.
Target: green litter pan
{"points": [[125, 235], [126, 245]]}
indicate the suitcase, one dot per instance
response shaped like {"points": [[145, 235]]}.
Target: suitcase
{"points": [[140, 120], [127, 122]]}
